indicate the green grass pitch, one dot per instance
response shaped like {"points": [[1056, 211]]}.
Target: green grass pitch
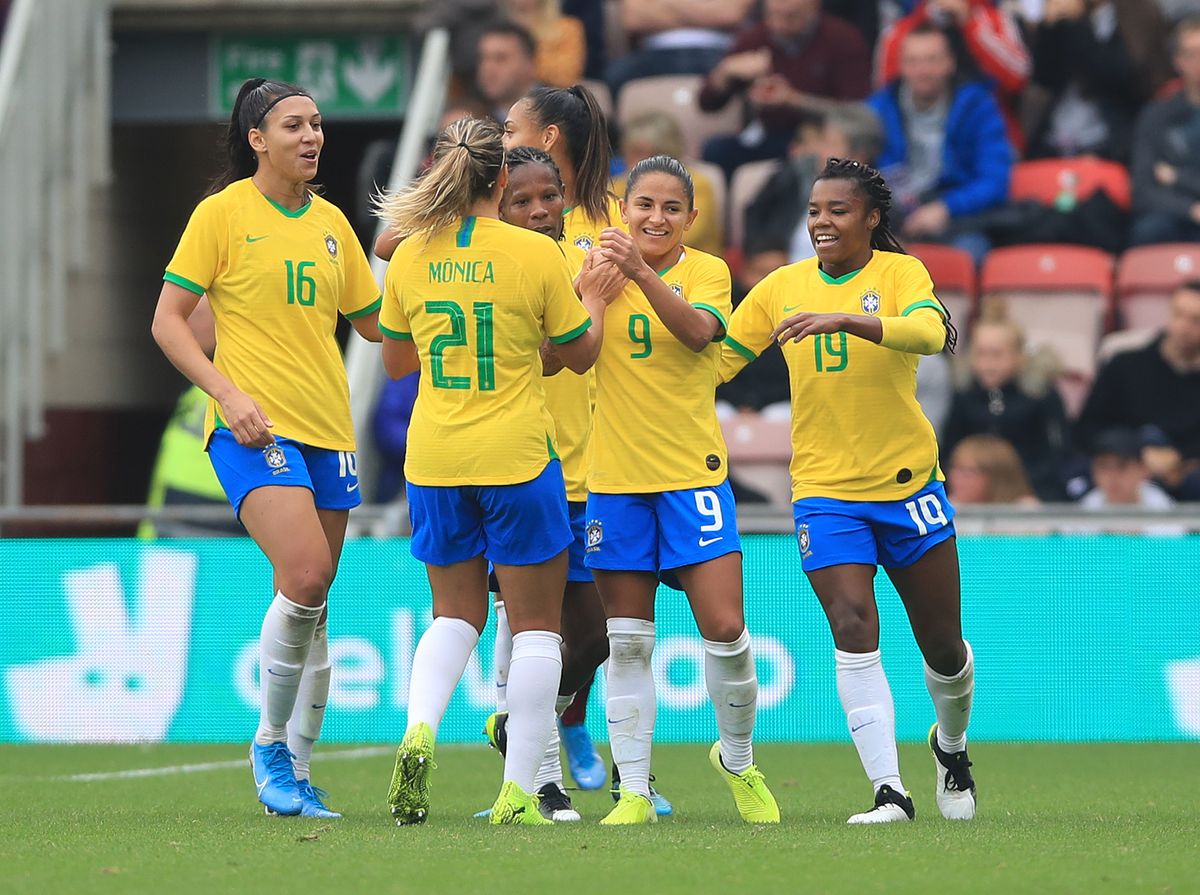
{"points": [[1093, 819]]}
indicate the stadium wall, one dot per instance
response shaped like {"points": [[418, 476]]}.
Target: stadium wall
{"points": [[1076, 638]]}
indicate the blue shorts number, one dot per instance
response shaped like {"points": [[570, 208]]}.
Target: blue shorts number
{"points": [[709, 506], [931, 509]]}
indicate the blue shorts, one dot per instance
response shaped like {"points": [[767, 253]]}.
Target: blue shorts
{"points": [[660, 532], [512, 525], [331, 476], [890, 533], [576, 571]]}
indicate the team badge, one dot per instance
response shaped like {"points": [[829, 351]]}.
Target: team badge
{"points": [[274, 456], [331, 245], [803, 539], [595, 534], [870, 302], [677, 288], [583, 242]]}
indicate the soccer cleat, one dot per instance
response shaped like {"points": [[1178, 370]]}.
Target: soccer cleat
{"points": [[495, 728], [890, 807], [515, 807], [662, 805], [556, 805], [587, 768], [631, 808], [754, 801], [408, 796], [275, 778], [312, 801], [955, 789]]}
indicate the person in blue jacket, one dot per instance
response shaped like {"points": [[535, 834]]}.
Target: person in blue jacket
{"points": [[946, 154]]}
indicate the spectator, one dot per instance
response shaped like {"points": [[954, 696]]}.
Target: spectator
{"points": [[655, 133], [1095, 63], [1120, 476], [1168, 469], [987, 47], [389, 423], [677, 37], [763, 383], [1166, 152], [506, 69], [947, 157], [791, 68], [561, 47], [1158, 385], [935, 389], [987, 469], [862, 14], [1004, 399], [591, 14], [851, 130]]}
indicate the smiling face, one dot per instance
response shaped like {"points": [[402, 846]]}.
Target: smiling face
{"points": [[840, 225], [290, 138], [534, 200], [657, 212]]}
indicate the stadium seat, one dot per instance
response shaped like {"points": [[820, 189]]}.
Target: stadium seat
{"points": [[760, 450], [677, 96], [954, 278], [1121, 341], [1059, 294], [717, 178], [1044, 180], [1146, 277], [743, 187], [600, 90]]}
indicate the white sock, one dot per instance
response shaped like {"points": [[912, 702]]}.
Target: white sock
{"points": [[550, 770], [532, 686], [438, 664], [631, 701], [502, 656], [733, 687], [304, 728], [287, 633], [952, 703], [870, 714]]}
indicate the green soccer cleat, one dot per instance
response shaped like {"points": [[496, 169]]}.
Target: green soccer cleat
{"points": [[515, 807], [754, 801], [408, 797], [631, 808]]}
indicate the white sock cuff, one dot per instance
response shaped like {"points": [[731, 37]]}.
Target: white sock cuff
{"points": [[631, 627], [460, 627], [734, 648], [295, 610], [499, 604], [967, 669], [543, 644], [857, 661], [562, 703]]}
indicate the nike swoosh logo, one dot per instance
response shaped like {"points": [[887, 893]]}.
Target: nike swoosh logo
{"points": [[622, 721], [263, 785], [704, 542], [787, 308], [277, 674], [321, 706], [256, 238], [353, 487], [861, 726], [734, 705]]}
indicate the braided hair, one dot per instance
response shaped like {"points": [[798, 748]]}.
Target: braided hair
{"points": [[528, 155], [870, 183]]}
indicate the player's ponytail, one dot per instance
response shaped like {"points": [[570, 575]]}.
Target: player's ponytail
{"points": [[256, 98], [580, 120], [663, 164], [467, 160]]}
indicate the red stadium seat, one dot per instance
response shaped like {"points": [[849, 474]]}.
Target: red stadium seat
{"points": [[954, 278], [1059, 294], [677, 96], [760, 450], [1146, 277], [1044, 180]]}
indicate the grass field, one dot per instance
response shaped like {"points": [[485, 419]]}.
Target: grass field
{"points": [[1053, 818]]}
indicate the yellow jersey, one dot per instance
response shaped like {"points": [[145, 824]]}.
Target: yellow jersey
{"points": [[655, 427], [858, 432], [478, 299], [276, 280], [570, 399], [582, 231]]}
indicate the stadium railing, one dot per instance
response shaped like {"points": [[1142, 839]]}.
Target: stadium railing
{"points": [[54, 114]]}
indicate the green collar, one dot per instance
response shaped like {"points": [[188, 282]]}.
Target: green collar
{"points": [[663, 272], [837, 281], [287, 212]]}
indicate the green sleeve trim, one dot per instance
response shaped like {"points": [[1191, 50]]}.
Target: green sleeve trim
{"points": [[363, 312], [720, 317], [740, 348], [924, 303], [573, 334], [550, 448], [395, 334], [184, 282]]}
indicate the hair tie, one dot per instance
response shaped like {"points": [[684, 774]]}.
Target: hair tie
{"points": [[276, 101], [464, 145]]}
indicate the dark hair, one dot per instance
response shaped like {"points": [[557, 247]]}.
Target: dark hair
{"points": [[528, 155], [581, 120], [928, 27], [256, 98], [870, 183], [512, 29], [663, 164]]}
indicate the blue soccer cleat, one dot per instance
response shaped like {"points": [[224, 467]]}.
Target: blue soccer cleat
{"points": [[587, 768], [662, 805], [313, 801], [275, 778]]}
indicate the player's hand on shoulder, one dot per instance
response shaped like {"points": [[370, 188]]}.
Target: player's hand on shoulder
{"points": [[247, 421], [797, 326], [618, 247]]}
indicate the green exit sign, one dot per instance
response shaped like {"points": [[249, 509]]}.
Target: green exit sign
{"points": [[349, 75]]}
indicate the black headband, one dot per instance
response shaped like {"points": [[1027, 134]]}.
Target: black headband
{"points": [[276, 101]]}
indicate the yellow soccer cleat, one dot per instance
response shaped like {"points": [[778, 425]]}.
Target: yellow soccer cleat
{"points": [[495, 728], [754, 801], [631, 808], [408, 796], [515, 807]]}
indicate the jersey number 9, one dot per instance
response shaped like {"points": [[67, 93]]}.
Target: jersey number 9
{"points": [[457, 337], [639, 334]]}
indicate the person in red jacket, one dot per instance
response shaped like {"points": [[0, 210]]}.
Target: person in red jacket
{"points": [[987, 43]]}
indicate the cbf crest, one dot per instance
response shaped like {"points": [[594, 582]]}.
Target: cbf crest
{"points": [[583, 242], [870, 302], [594, 534], [331, 246], [803, 539], [677, 288], [274, 456]]}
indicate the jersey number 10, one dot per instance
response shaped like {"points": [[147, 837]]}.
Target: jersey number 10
{"points": [[456, 338]]}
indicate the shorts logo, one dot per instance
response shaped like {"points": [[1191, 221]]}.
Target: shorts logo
{"points": [[331, 245], [274, 456], [870, 302], [677, 288], [803, 539], [583, 242], [595, 534], [713, 462]]}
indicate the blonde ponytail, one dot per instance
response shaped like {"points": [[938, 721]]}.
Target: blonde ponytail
{"points": [[467, 160]]}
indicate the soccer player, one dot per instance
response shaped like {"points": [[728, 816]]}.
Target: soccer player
{"points": [[866, 485], [278, 263], [470, 301], [659, 502]]}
